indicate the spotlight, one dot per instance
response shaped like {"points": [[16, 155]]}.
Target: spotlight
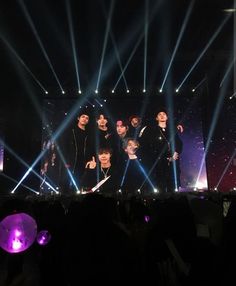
{"points": [[144, 90], [193, 90], [101, 105], [230, 10], [79, 91], [177, 90], [160, 90], [46, 91], [113, 91], [155, 191], [105, 100], [96, 91], [63, 92], [119, 191], [93, 105], [138, 190], [78, 192], [127, 90]]}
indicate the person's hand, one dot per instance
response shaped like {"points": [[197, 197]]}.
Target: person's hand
{"points": [[44, 169], [180, 128], [91, 164], [175, 156]]}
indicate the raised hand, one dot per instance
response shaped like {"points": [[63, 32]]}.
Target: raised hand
{"points": [[91, 164], [180, 128]]}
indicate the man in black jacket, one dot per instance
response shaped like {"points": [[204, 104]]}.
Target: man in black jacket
{"points": [[77, 150], [163, 146]]}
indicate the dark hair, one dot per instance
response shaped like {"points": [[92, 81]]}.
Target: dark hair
{"points": [[104, 149], [124, 122], [126, 141], [84, 111], [135, 116], [161, 109], [99, 114]]}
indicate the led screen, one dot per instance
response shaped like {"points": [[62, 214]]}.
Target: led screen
{"points": [[61, 114]]}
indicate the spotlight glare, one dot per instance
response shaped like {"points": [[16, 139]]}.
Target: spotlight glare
{"points": [[63, 92], [193, 90], [127, 90], [79, 91], [177, 90], [96, 91], [101, 105], [155, 190], [105, 100], [113, 91], [160, 90], [144, 90], [46, 91], [230, 10]]}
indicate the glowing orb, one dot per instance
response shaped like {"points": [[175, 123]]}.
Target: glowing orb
{"points": [[17, 232], [43, 237]]}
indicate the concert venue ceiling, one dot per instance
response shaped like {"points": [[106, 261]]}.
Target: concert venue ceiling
{"points": [[57, 48], [63, 45]]}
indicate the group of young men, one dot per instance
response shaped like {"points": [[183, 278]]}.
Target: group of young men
{"points": [[130, 157]]}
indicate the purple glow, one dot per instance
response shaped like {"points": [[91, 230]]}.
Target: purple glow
{"points": [[43, 237], [17, 232], [147, 218]]}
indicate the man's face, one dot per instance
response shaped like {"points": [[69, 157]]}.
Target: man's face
{"points": [[135, 121], [83, 119], [121, 129], [161, 117], [102, 121], [104, 157], [131, 147]]}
